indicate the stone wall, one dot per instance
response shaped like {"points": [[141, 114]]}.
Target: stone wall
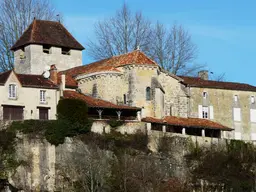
{"points": [[129, 127], [36, 60], [105, 85], [222, 102], [176, 97]]}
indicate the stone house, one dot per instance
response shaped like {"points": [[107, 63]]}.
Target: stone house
{"points": [[229, 103], [131, 87]]}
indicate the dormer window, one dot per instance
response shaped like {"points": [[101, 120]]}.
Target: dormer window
{"points": [[235, 98], [65, 51], [46, 49], [12, 91], [252, 99]]}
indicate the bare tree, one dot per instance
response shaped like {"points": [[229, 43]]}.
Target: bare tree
{"points": [[120, 34], [173, 49], [15, 16]]}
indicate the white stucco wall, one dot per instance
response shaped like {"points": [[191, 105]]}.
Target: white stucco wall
{"points": [[29, 98]]}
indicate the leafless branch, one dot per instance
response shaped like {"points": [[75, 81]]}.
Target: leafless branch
{"points": [[15, 16]]}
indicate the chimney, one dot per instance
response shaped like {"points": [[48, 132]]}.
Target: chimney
{"points": [[54, 74], [63, 84], [203, 74]]}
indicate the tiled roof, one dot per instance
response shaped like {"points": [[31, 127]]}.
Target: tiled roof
{"points": [[4, 76], [94, 102], [47, 33], [110, 64], [187, 122], [198, 82], [36, 81], [70, 82]]}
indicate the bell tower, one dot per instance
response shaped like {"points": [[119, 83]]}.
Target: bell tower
{"points": [[45, 43]]}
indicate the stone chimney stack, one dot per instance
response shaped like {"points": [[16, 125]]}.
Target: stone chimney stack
{"points": [[203, 74], [54, 74]]}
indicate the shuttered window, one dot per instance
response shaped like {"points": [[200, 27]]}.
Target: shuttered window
{"points": [[237, 114], [253, 115], [12, 113], [43, 114], [205, 114]]}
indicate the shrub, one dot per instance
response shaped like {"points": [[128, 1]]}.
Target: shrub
{"points": [[73, 110], [54, 131]]}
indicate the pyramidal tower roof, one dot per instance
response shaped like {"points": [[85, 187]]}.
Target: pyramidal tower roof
{"points": [[51, 33]]}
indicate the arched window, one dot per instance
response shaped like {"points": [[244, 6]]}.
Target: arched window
{"points": [[148, 93]]}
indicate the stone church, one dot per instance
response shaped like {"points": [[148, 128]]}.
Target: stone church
{"points": [[130, 87]]}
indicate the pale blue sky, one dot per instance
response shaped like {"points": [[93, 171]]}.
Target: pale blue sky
{"points": [[224, 30]]}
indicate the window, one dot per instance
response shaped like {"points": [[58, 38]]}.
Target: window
{"points": [[125, 101], [148, 94], [12, 91], [235, 98], [205, 112], [46, 49], [65, 51], [42, 96], [252, 100], [204, 95]]}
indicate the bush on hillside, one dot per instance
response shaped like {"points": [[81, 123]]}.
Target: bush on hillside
{"points": [[73, 110]]}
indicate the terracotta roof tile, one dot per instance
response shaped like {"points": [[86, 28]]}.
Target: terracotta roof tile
{"points": [[110, 64], [4, 76], [187, 122], [47, 33], [94, 102], [37, 81], [198, 82]]}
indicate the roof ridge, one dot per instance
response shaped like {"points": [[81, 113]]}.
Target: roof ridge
{"points": [[215, 80], [32, 31]]}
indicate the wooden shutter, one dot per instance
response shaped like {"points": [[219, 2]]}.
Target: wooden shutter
{"points": [[6, 113], [12, 113], [43, 114]]}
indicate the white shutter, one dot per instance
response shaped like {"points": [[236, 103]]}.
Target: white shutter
{"points": [[200, 111], [238, 135], [211, 112], [237, 114], [253, 136], [253, 115]]}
